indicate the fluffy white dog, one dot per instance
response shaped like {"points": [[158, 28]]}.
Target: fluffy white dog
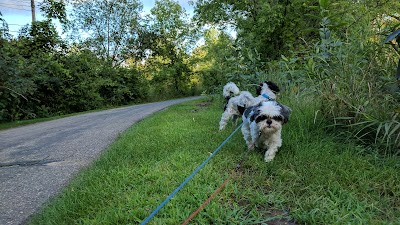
{"points": [[230, 90], [236, 105], [263, 124]]}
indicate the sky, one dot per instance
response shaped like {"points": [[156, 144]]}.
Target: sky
{"points": [[17, 13]]}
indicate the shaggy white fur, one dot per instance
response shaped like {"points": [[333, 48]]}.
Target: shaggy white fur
{"points": [[263, 124], [230, 90], [235, 106]]}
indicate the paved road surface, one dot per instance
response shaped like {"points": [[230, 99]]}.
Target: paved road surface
{"points": [[36, 161]]}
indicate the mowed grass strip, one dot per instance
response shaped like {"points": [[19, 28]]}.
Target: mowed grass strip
{"points": [[314, 179]]}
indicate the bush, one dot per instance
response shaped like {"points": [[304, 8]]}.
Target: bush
{"points": [[352, 84]]}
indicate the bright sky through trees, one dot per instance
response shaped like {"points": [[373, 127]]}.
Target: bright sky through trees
{"points": [[18, 13]]}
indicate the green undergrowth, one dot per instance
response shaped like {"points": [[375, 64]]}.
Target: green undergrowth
{"points": [[314, 179]]}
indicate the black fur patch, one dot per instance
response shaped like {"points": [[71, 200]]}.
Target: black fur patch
{"points": [[261, 118], [285, 112], [264, 117], [277, 118], [250, 110], [274, 88], [258, 89], [241, 109], [226, 103]]}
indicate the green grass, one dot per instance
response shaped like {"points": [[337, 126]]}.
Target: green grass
{"points": [[314, 179]]}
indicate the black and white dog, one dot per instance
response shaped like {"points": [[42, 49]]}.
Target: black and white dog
{"points": [[236, 105], [263, 124]]}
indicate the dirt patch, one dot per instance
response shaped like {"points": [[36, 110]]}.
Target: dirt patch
{"points": [[203, 104], [274, 216], [279, 217]]}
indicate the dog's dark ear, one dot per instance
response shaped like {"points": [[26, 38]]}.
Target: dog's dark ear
{"points": [[259, 88], [252, 117], [257, 112], [248, 111], [285, 112], [273, 86], [251, 113]]}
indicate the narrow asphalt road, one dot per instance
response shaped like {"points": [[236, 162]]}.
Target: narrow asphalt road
{"points": [[36, 161]]}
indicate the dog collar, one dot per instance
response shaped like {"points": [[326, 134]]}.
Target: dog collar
{"points": [[266, 96]]}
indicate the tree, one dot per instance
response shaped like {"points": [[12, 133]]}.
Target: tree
{"points": [[269, 27], [171, 22], [172, 35], [41, 36], [109, 26], [4, 32], [216, 59], [54, 9]]}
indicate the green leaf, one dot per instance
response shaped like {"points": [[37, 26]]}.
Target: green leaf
{"points": [[309, 30], [313, 16], [394, 129], [324, 3], [377, 132], [284, 58]]}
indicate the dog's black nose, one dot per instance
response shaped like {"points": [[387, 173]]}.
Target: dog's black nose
{"points": [[269, 122]]}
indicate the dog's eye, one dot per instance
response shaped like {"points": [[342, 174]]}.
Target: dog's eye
{"points": [[277, 118], [261, 118]]}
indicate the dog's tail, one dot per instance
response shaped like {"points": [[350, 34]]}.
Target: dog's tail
{"points": [[230, 90]]}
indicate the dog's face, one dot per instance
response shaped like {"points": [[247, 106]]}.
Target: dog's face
{"points": [[270, 116], [268, 124]]}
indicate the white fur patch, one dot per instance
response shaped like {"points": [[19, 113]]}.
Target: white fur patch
{"points": [[266, 90], [270, 108], [243, 99], [230, 89], [265, 129]]}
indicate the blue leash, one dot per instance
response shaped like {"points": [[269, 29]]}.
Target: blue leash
{"points": [[189, 177]]}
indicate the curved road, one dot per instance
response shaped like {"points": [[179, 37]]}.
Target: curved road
{"points": [[36, 161]]}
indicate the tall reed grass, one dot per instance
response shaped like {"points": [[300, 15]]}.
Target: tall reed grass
{"points": [[356, 87]]}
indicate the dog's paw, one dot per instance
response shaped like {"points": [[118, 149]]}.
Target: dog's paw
{"points": [[270, 154], [268, 158]]}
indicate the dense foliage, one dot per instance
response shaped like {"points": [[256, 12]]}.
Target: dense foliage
{"points": [[332, 50], [112, 54], [109, 56], [41, 77]]}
